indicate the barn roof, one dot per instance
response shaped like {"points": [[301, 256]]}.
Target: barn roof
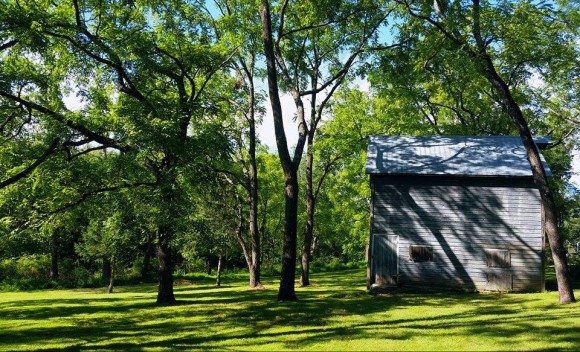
{"points": [[450, 155]]}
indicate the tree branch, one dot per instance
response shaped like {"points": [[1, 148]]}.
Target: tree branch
{"points": [[15, 178], [67, 122], [95, 192]]}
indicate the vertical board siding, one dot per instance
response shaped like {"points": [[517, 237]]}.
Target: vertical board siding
{"points": [[385, 252], [462, 220]]}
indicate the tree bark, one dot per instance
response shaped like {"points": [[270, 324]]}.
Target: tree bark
{"points": [[54, 275], [256, 257], [287, 290], [166, 230], [480, 57], [165, 256], [310, 206], [208, 265]]}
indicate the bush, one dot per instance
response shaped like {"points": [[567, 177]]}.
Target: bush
{"points": [[31, 272], [335, 264], [34, 267]]}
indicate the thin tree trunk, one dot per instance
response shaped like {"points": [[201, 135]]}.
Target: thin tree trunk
{"points": [[111, 278], [256, 259], [54, 275], [239, 235], [481, 58], [146, 268], [218, 279], [165, 256], [565, 290], [310, 206]]}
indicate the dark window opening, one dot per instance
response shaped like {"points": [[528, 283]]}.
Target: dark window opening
{"points": [[497, 258], [421, 253]]}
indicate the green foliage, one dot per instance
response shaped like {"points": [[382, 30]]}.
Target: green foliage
{"points": [[32, 267], [158, 137]]}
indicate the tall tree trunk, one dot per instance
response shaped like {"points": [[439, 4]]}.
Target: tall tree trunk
{"points": [[54, 256], [286, 291], [310, 206], [482, 58], [565, 290], [165, 256], [146, 268], [107, 270], [218, 278], [256, 259]]}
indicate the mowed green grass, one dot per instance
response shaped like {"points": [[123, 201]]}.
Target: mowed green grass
{"points": [[335, 313]]}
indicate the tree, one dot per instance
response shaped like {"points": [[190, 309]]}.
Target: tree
{"points": [[238, 23], [289, 164], [111, 238], [306, 51], [143, 71], [473, 30]]}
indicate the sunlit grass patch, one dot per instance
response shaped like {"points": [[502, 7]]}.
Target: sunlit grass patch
{"points": [[335, 313]]}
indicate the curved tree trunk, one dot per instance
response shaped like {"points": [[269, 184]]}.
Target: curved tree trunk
{"points": [[256, 256], [479, 55], [482, 58], [565, 290]]}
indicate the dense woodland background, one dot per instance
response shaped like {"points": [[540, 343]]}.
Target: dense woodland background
{"points": [[156, 169]]}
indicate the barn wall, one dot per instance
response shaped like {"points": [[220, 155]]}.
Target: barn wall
{"points": [[461, 219]]}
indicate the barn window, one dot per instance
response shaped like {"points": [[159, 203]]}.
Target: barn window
{"points": [[421, 253], [497, 258]]}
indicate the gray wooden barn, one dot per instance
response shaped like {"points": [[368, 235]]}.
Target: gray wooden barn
{"points": [[454, 213]]}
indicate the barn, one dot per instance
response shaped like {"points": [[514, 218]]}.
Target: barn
{"points": [[454, 212]]}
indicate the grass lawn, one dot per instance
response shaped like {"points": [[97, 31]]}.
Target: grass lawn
{"points": [[335, 313]]}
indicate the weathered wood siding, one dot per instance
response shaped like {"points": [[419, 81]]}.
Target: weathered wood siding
{"points": [[463, 220]]}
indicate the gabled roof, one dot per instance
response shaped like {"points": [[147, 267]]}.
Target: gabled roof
{"points": [[452, 155]]}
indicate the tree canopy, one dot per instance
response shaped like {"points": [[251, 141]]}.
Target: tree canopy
{"points": [[128, 128]]}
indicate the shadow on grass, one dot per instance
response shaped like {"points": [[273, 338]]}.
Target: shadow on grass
{"points": [[336, 307]]}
